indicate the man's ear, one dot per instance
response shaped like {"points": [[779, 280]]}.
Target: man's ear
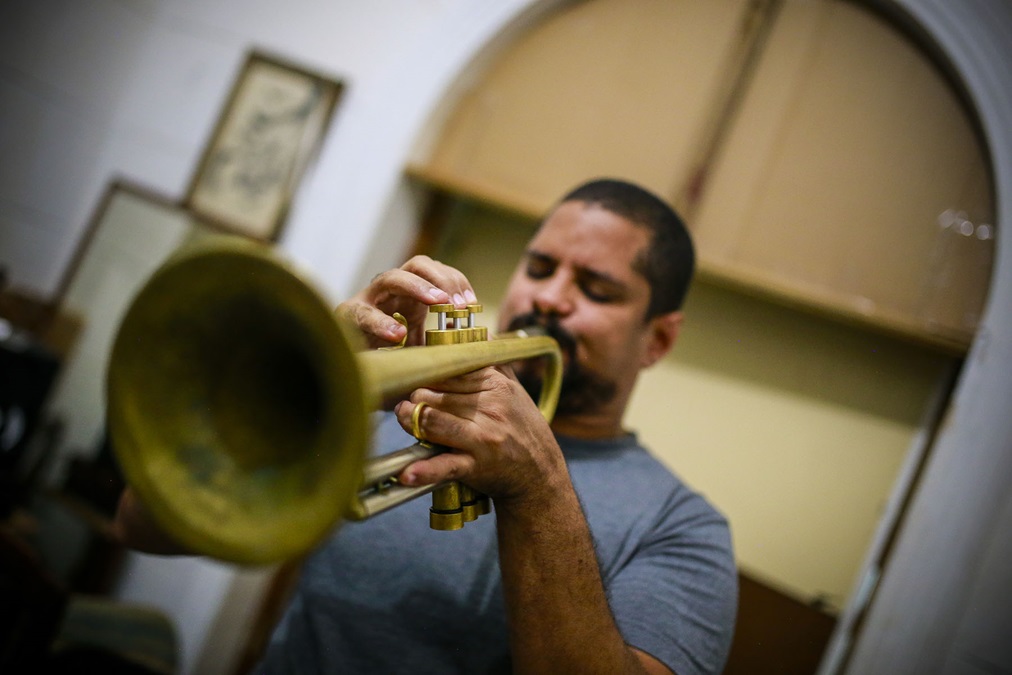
{"points": [[662, 332]]}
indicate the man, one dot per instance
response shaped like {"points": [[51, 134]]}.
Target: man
{"points": [[597, 558]]}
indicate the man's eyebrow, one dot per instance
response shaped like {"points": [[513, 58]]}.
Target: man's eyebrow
{"points": [[584, 272], [534, 253], [595, 275]]}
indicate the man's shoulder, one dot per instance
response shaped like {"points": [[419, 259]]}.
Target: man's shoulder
{"points": [[627, 487], [621, 461]]}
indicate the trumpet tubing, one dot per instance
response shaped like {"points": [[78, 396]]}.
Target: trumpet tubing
{"points": [[238, 404]]}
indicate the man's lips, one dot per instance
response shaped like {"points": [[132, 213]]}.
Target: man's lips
{"points": [[567, 343]]}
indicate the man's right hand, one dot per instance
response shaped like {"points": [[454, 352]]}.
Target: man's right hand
{"points": [[409, 290]]}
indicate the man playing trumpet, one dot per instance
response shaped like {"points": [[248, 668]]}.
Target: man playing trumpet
{"points": [[598, 559]]}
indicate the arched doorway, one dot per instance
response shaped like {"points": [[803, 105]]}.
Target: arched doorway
{"points": [[465, 139]]}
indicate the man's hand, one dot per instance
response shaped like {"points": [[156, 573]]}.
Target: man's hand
{"points": [[409, 289], [500, 443]]}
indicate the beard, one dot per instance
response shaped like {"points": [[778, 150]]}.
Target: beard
{"points": [[583, 391]]}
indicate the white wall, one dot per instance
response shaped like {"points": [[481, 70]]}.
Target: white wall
{"points": [[102, 88]]}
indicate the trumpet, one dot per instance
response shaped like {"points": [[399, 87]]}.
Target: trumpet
{"points": [[239, 404]]}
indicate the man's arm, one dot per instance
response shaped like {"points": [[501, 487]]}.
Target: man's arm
{"points": [[557, 610]]}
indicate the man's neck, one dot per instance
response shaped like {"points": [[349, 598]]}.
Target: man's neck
{"points": [[600, 424], [588, 427]]}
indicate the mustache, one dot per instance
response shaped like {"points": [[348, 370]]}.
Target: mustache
{"points": [[550, 324], [583, 391]]}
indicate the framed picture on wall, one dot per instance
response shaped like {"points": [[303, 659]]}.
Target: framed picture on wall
{"points": [[272, 125]]}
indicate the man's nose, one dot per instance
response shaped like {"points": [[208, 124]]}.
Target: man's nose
{"points": [[554, 296]]}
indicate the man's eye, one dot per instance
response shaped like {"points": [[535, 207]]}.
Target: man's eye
{"points": [[538, 268], [599, 293]]}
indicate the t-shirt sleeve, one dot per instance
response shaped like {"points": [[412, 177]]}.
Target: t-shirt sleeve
{"points": [[676, 598]]}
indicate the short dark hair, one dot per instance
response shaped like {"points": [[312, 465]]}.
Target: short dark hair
{"points": [[670, 256]]}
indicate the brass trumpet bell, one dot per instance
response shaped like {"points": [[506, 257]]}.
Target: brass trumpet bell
{"points": [[235, 404]]}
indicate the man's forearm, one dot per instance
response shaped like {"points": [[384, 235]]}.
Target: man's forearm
{"points": [[558, 613]]}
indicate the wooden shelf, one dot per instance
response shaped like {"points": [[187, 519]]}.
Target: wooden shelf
{"points": [[822, 302]]}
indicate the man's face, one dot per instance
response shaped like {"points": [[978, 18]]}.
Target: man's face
{"points": [[579, 271]]}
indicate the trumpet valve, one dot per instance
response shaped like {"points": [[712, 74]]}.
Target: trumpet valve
{"points": [[446, 512], [469, 503], [455, 504]]}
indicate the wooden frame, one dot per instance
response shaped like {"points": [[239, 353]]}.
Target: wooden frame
{"points": [[116, 188], [132, 230], [271, 126]]}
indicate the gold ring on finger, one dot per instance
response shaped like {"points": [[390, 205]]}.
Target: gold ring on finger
{"points": [[416, 421]]}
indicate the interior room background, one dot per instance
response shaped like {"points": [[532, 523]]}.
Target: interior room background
{"points": [[807, 415]]}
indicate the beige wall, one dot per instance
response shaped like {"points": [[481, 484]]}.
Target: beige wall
{"points": [[794, 426]]}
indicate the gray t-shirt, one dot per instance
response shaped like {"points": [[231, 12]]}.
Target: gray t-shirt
{"points": [[389, 595]]}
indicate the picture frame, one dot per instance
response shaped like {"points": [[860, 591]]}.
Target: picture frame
{"points": [[271, 127], [132, 231]]}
